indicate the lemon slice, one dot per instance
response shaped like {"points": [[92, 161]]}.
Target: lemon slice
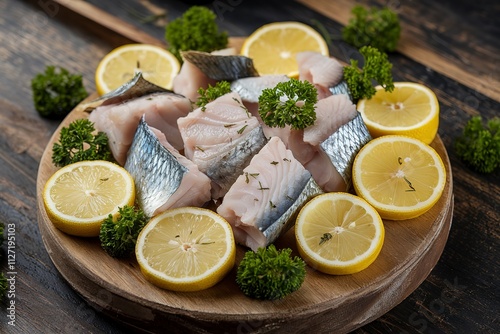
{"points": [[79, 196], [273, 47], [186, 249], [339, 233], [400, 176], [411, 109], [157, 65]]}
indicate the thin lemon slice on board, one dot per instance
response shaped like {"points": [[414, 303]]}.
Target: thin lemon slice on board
{"points": [[400, 176], [273, 46], [339, 233], [411, 109], [79, 196], [157, 65], [186, 249]]}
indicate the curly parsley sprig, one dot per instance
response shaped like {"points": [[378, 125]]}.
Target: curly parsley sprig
{"points": [[56, 92], [77, 142], [270, 273], [376, 67], [377, 27], [479, 145], [211, 93], [196, 30], [118, 238], [289, 103]]}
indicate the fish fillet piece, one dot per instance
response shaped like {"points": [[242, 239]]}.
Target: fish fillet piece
{"points": [[221, 139], [331, 114], [263, 202], [163, 177], [189, 80], [119, 121], [322, 71]]}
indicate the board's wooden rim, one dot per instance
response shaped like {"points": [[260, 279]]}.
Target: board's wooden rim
{"points": [[125, 305]]}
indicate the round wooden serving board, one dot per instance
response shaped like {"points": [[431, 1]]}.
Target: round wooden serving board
{"points": [[324, 303]]}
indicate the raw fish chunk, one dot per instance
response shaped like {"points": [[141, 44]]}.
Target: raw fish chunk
{"points": [[163, 177], [221, 139], [263, 202], [119, 121]]}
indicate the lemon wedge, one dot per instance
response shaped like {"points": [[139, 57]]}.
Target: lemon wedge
{"points": [[186, 249], [273, 46], [339, 233], [79, 196], [411, 109], [157, 65], [402, 177]]}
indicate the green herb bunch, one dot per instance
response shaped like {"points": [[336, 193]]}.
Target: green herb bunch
{"points": [[289, 103], [77, 142], [196, 30], [211, 93], [376, 27], [56, 92], [269, 273], [118, 238], [479, 145], [376, 67]]}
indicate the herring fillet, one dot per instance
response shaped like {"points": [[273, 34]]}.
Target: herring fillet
{"points": [[119, 121], [262, 203], [221, 139], [163, 178]]}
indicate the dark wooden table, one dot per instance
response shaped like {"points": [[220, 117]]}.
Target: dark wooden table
{"points": [[451, 46]]}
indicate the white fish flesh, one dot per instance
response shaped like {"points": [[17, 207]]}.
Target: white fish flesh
{"points": [[322, 71], [331, 114], [221, 139], [119, 121], [163, 177], [263, 202], [189, 80]]}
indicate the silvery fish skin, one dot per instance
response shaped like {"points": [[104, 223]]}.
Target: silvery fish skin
{"points": [[221, 67], [163, 178], [341, 88], [263, 202], [137, 86], [251, 88], [343, 145], [305, 191]]}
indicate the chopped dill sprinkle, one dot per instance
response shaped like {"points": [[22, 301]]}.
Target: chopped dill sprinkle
{"points": [[287, 160], [273, 206], [229, 125], [240, 131], [274, 163], [199, 148], [262, 188]]}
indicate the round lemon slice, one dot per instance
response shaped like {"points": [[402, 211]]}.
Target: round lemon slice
{"points": [[79, 196], [339, 233], [411, 109], [186, 249], [273, 46], [157, 65], [400, 176]]}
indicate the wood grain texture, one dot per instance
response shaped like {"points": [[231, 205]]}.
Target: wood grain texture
{"points": [[411, 249], [449, 44]]}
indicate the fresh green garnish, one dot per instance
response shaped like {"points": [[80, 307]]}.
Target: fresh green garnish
{"points": [[479, 145], [77, 142], [211, 93], [56, 92], [289, 103], [269, 273], [118, 238], [196, 30], [373, 26], [377, 67]]}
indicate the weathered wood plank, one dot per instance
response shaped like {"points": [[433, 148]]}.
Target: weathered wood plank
{"points": [[447, 43]]}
